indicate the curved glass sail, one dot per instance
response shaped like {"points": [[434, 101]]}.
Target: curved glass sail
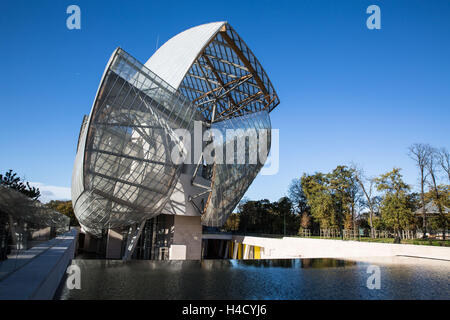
{"points": [[231, 179], [124, 157]]}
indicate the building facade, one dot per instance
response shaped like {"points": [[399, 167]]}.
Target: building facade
{"points": [[155, 161]]}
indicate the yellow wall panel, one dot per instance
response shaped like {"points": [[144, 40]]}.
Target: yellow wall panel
{"points": [[257, 251]]}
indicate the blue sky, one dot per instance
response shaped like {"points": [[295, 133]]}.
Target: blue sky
{"points": [[347, 93]]}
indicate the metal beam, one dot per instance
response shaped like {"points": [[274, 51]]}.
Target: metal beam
{"points": [[242, 104], [239, 81], [219, 80], [137, 185], [247, 63], [133, 238], [121, 155]]}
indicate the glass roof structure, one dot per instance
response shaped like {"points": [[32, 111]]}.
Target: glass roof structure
{"points": [[124, 173]]}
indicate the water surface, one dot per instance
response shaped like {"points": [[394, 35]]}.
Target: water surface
{"points": [[407, 278]]}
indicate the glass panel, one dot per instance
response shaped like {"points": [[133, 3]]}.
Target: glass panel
{"points": [[231, 181]]}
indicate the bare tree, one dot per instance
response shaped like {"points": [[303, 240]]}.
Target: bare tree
{"points": [[432, 168], [367, 187], [354, 192], [421, 154], [298, 197], [444, 161]]}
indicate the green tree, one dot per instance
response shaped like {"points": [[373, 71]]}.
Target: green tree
{"points": [[305, 222], [440, 221], [320, 199], [346, 192], [300, 205], [11, 180], [396, 206], [256, 216], [232, 223], [286, 222], [268, 217]]}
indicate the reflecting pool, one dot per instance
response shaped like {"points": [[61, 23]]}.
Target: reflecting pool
{"points": [[400, 278]]}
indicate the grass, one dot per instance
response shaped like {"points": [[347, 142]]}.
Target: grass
{"points": [[426, 242]]}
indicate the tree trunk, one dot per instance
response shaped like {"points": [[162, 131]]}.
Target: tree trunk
{"points": [[424, 212], [372, 231], [353, 217], [397, 238], [369, 202], [438, 203], [399, 235], [12, 229]]}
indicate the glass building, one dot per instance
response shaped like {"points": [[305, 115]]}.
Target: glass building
{"points": [[126, 186]]}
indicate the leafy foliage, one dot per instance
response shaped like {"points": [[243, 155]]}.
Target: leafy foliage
{"points": [[332, 197], [264, 216], [11, 180], [397, 205]]}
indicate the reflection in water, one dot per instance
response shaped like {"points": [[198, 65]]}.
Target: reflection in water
{"points": [[255, 279], [293, 263]]}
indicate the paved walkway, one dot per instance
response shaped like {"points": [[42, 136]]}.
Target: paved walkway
{"points": [[36, 273], [19, 259]]}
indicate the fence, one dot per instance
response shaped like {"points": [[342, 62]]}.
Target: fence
{"points": [[355, 234], [305, 233], [330, 233]]}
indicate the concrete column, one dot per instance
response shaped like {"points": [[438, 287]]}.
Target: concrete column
{"points": [[203, 248], [235, 251], [246, 251], [225, 254], [87, 242], [187, 238], [114, 245], [221, 247]]}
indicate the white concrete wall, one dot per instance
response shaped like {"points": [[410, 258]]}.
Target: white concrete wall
{"points": [[289, 247], [177, 252], [41, 233]]}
